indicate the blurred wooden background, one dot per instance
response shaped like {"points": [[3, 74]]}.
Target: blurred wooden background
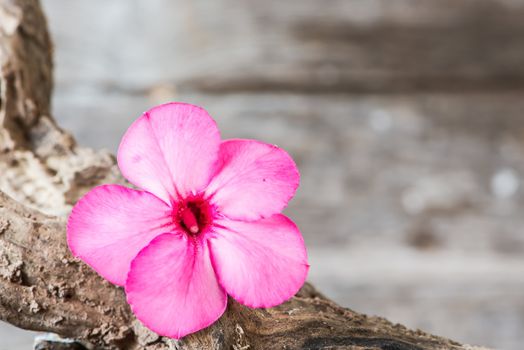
{"points": [[406, 118]]}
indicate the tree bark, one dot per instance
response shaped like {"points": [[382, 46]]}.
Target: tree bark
{"points": [[43, 288]]}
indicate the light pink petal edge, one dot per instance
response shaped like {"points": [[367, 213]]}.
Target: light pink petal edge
{"points": [[170, 150], [172, 287], [254, 180], [111, 224], [262, 263]]}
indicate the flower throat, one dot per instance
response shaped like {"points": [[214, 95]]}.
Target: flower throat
{"points": [[193, 216]]}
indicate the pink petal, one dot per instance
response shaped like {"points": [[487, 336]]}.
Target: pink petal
{"points": [[262, 263], [111, 224], [254, 180], [170, 150], [172, 287]]}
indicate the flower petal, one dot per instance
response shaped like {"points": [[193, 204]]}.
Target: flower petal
{"points": [[111, 224], [170, 150], [254, 180], [172, 287], [262, 263]]}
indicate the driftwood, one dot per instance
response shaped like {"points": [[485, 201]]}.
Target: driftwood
{"points": [[43, 288]]}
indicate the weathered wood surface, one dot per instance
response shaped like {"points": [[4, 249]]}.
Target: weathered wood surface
{"points": [[405, 110], [298, 91], [44, 288], [301, 46]]}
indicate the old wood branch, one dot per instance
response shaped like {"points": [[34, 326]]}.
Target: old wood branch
{"points": [[42, 287]]}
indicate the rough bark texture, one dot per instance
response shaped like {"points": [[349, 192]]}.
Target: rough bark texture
{"points": [[42, 287]]}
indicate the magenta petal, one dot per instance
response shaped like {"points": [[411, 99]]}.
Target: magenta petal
{"points": [[172, 287], [262, 263], [254, 180], [170, 150], [111, 224]]}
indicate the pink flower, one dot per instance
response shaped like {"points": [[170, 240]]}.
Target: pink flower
{"points": [[206, 224]]}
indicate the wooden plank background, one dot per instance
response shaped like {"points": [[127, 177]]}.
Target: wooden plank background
{"points": [[406, 118]]}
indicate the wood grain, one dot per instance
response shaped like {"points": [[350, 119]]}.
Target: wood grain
{"points": [[43, 288]]}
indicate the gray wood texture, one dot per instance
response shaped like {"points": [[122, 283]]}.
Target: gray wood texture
{"points": [[405, 117]]}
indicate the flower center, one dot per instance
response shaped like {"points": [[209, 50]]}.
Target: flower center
{"points": [[193, 216]]}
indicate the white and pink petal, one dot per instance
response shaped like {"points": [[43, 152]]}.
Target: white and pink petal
{"points": [[253, 180], [262, 263], [111, 224], [172, 287], [170, 150]]}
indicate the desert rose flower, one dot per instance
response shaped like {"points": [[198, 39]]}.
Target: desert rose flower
{"points": [[206, 223]]}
